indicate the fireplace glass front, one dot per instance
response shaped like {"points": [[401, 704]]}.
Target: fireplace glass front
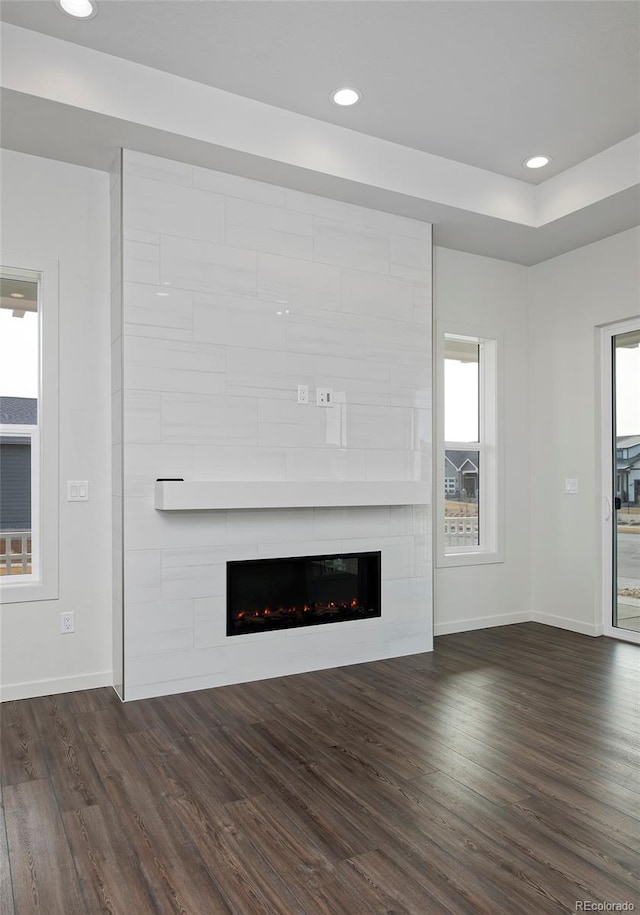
{"points": [[267, 594]]}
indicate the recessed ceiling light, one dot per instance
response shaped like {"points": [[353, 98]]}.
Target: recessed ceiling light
{"points": [[162, 293], [16, 295], [537, 161], [79, 9], [346, 97]]}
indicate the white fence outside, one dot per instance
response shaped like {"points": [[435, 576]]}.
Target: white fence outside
{"points": [[15, 552], [461, 531]]}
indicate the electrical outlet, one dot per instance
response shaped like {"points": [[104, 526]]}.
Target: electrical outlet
{"points": [[67, 623], [303, 393], [324, 397]]}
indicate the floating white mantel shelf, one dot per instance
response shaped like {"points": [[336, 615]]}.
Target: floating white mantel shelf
{"points": [[210, 495]]}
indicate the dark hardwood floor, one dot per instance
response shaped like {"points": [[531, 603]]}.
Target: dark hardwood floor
{"points": [[500, 774]]}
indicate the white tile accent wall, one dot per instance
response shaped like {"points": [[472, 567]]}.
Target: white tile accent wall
{"points": [[117, 551], [235, 292]]}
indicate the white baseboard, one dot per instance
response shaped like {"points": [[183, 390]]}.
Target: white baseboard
{"points": [[565, 622], [31, 689], [480, 622], [508, 619]]}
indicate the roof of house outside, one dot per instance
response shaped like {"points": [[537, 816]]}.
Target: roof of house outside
{"points": [[18, 411], [457, 459], [627, 441]]}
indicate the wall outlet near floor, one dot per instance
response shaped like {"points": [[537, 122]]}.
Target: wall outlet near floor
{"points": [[303, 393], [67, 623]]}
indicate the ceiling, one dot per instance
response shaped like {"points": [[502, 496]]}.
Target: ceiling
{"points": [[484, 83]]}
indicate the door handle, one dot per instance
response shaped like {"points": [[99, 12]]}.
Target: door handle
{"points": [[617, 502], [607, 515]]}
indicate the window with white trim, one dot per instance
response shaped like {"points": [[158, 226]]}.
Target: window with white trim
{"points": [[467, 477], [28, 440]]}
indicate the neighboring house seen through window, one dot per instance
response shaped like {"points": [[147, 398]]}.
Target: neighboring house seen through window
{"points": [[19, 457], [468, 473]]}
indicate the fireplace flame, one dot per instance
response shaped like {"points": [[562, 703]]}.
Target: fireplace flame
{"points": [[284, 612]]}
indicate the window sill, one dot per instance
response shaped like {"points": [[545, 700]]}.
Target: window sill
{"points": [[481, 557], [26, 591]]}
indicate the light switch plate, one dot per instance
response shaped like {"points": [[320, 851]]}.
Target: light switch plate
{"points": [[571, 487], [77, 490], [303, 393]]}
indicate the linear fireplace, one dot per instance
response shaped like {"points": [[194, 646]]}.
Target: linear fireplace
{"points": [[267, 594]]}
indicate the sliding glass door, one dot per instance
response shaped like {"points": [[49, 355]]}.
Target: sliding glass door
{"points": [[625, 375], [621, 479]]}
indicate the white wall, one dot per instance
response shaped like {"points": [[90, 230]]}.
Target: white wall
{"points": [[570, 296], [491, 295], [235, 293], [55, 210]]}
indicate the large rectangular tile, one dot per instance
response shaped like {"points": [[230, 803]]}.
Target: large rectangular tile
{"points": [[173, 209], [159, 332], [371, 294], [274, 230], [151, 352], [228, 462], [193, 582], [163, 626], [148, 529], [141, 263], [142, 165], [389, 464], [175, 380], [325, 464], [324, 333], [410, 252], [284, 548], [324, 207], [143, 576], [350, 246], [343, 523], [235, 186], [207, 267], [397, 341], [141, 416], [294, 425], [155, 306], [237, 321], [268, 373], [207, 420], [262, 526], [298, 284], [210, 622], [381, 427], [407, 599], [174, 666], [199, 574], [397, 225]]}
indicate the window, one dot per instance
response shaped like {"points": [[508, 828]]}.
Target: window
{"points": [[468, 492], [28, 440]]}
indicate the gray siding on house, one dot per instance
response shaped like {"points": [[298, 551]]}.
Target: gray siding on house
{"points": [[18, 411], [15, 484]]}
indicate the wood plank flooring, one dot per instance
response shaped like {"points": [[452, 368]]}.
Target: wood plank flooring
{"points": [[500, 774]]}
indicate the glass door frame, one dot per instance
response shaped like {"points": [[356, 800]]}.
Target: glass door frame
{"points": [[607, 486]]}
